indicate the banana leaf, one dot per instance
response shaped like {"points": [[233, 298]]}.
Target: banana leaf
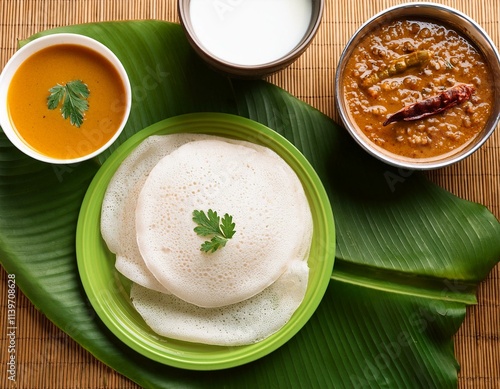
{"points": [[409, 254]]}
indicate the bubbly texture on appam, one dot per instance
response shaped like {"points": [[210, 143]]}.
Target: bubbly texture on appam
{"points": [[120, 199], [254, 185], [237, 295], [242, 323]]}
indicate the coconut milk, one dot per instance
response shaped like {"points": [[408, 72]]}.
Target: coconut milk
{"points": [[250, 32]]}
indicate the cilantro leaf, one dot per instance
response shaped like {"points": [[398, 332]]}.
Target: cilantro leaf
{"points": [[55, 97], [213, 244], [74, 96], [210, 224], [227, 226]]}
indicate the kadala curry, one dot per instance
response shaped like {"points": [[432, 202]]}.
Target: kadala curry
{"points": [[418, 89]]}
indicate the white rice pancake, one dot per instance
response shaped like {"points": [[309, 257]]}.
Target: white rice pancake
{"points": [[255, 186], [119, 203], [243, 323], [118, 209]]}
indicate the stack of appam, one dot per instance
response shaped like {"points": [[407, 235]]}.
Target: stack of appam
{"points": [[241, 293]]}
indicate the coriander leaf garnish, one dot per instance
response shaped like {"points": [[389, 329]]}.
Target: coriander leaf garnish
{"points": [[212, 225], [75, 94]]}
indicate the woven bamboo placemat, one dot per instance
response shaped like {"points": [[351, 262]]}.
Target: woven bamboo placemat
{"points": [[47, 358]]}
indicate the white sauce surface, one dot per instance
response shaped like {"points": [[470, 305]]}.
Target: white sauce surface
{"points": [[250, 32]]}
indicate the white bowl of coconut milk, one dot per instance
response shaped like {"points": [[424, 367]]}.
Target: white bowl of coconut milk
{"points": [[250, 38]]}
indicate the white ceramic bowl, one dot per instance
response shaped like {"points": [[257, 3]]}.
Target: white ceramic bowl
{"points": [[25, 52]]}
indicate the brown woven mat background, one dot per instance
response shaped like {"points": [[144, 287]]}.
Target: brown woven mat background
{"points": [[47, 358]]}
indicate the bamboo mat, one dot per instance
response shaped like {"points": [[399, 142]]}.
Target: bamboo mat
{"points": [[47, 358]]}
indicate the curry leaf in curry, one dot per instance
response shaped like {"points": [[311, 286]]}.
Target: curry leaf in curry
{"points": [[222, 231], [74, 95]]}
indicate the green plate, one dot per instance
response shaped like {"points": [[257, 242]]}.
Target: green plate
{"points": [[108, 291]]}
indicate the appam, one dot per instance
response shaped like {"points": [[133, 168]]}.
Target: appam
{"points": [[247, 322], [119, 203], [254, 185]]}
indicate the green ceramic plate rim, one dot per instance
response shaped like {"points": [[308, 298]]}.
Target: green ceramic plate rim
{"points": [[107, 290]]}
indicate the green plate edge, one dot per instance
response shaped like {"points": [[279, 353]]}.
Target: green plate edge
{"points": [[107, 290]]}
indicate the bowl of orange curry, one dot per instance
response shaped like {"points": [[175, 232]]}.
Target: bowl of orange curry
{"points": [[64, 98], [415, 86]]}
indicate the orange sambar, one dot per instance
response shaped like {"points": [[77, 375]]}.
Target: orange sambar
{"points": [[46, 130]]}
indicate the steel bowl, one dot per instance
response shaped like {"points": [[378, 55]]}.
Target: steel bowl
{"points": [[249, 71], [451, 18]]}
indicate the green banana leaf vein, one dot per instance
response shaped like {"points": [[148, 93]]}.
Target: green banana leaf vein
{"points": [[409, 254]]}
